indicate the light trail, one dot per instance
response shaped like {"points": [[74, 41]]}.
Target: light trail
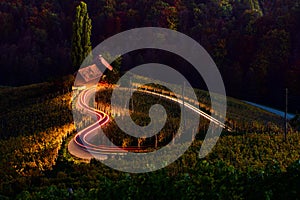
{"points": [[102, 118]]}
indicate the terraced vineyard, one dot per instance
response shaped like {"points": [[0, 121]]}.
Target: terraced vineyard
{"points": [[254, 161]]}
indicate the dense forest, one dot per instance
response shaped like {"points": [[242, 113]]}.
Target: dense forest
{"points": [[255, 43]]}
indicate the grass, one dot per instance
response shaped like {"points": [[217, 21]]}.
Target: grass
{"points": [[36, 117]]}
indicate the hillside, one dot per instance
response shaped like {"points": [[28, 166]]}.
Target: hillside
{"points": [[35, 162], [49, 129]]}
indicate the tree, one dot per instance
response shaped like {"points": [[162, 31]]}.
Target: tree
{"points": [[255, 5], [81, 43], [267, 6], [270, 63]]}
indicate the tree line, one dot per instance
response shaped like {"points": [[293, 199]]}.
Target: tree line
{"points": [[255, 43]]}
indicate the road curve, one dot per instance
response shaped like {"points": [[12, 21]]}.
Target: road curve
{"points": [[81, 147], [80, 138]]}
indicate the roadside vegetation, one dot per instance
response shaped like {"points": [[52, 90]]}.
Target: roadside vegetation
{"points": [[254, 161]]}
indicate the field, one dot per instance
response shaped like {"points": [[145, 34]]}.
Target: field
{"points": [[254, 161]]}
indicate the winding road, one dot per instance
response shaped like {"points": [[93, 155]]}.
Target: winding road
{"points": [[81, 147]]}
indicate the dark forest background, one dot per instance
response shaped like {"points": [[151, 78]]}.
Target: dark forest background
{"points": [[255, 43]]}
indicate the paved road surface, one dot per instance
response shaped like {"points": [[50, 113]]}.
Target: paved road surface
{"points": [[81, 147]]}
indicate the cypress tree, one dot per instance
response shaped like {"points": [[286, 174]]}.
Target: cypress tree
{"points": [[81, 40]]}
